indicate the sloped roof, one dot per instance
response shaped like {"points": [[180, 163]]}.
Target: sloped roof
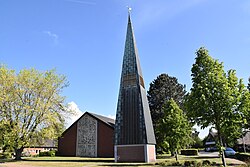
{"points": [[108, 121], [246, 139]]}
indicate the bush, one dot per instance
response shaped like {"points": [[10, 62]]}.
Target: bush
{"points": [[6, 155], [51, 153], [243, 157], [177, 163], [206, 163], [166, 163], [189, 152], [193, 163]]}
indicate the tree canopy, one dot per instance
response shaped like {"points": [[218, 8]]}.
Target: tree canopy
{"points": [[216, 98], [31, 107], [174, 127], [162, 89]]}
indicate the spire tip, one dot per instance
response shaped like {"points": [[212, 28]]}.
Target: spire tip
{"points": [[129, 9]]}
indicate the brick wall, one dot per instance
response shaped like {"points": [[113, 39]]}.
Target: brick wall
{"points": [[105, 144], [67, 142]]}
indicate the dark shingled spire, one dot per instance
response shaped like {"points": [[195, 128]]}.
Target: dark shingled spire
{"points": [[133, 120]]}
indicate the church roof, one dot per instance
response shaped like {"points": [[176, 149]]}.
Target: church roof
{"points": [[108, 121]]}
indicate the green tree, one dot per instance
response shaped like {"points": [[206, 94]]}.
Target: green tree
{"points": [[162, 89], [31, 107], [197, 142], [215, 97], [175, 128]]}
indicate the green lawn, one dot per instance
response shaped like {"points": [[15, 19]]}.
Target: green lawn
{"points": [[80, 162]]}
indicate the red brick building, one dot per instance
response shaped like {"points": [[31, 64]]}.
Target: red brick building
{"points": [[90, 136]]}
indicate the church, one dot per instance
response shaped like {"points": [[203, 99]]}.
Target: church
{"points": [[128, 139], [90, 136]]}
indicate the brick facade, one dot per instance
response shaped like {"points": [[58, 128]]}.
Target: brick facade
{"points": [[90, 136]]}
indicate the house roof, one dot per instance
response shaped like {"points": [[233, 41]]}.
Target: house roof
{"points": [[108, 121], [246, 139]]}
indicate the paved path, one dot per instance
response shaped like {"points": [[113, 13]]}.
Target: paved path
{"points": [[232, 161]]}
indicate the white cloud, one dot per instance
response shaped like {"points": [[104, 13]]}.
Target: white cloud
{"points": [[82, 2], [53, 36], [72, 106]]}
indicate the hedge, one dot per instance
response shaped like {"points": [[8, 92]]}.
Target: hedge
{"points": [[51, 153], [243, 156], [189, 152]]}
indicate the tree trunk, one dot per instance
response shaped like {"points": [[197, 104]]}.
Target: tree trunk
{"points": [[18, 152], [222, 151], [176, 155]]}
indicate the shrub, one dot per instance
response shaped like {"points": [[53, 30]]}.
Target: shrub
{"points": [[6, 155], [206, 163], [243, 157], [51, 153], [177, 163], [189, 152]]}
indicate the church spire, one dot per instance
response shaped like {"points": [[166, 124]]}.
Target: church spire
{"points": [[133, 125]]}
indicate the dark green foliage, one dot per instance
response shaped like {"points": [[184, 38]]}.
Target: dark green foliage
{"points": [[189, 152], [162, 89], [243, 157], [206, 163], [51, 153], [197, 142], [192, 163], [166, 163], [248, 86]]}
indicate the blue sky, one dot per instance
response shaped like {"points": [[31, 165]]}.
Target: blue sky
{"points": [[84, 40]]}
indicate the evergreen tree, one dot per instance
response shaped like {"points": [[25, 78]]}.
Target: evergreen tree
{"points": [[162, 89]]}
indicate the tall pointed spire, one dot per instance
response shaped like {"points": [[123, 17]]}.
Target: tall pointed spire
{"points": [[134, 134]]}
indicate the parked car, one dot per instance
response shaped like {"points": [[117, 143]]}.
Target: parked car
{"points": [[229, 152], [211, 149]]}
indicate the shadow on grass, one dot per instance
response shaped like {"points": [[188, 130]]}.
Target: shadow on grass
{"points": [[125, 164], [205, 157], [70, 160]]}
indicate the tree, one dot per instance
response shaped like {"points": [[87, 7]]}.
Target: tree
{"points": [[174, 126], [215, 97], [197, 142], [248, 86], [162, 89], [31, 107]]}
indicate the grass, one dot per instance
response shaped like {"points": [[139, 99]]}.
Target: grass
{"points": [[80, 161], [68, 162]]}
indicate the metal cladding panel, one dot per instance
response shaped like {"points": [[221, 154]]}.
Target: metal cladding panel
{"points": [[133, 121], [147, 117]]}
